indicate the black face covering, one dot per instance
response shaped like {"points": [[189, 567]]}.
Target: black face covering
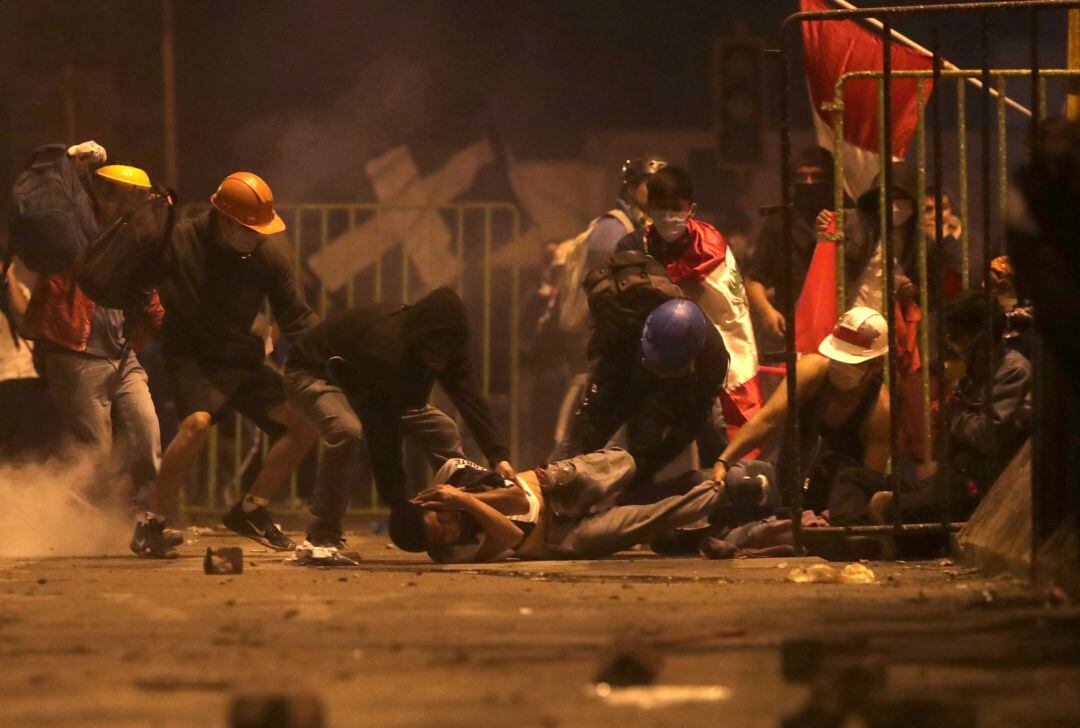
{"points": [[810, 199]]}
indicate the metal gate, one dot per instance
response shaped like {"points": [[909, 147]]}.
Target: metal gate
{"points": [[990, 79], [484, 246]]}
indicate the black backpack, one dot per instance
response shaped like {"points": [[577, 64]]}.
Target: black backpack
{"points": [[122, 264], [622, 293], [52, 215]]}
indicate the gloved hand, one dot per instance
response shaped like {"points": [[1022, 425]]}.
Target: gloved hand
{"points": [[89, 151]]}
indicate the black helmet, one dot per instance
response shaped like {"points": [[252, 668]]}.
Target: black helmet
{"points": [[637, 170]]}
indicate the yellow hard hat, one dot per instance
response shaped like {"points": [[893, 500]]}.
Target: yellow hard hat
{"points": [[125, 174]]}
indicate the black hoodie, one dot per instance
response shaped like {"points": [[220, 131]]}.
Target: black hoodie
{"points": [[383, 346]]}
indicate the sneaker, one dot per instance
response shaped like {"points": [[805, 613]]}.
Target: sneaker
{"points": [[153, 541], [258, 526], [748, 491]]}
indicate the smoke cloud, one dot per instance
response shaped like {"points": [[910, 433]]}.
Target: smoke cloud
{"points": [[45, 511]]}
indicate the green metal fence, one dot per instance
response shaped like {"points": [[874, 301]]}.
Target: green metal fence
{"points": [[486, 243], [961, 79]]}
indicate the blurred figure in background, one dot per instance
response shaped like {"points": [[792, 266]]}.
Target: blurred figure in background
{"points": [[27, 418], [574, 258], [812, 191]]}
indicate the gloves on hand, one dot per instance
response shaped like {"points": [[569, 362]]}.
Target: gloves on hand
{"points": [[89, 151]]}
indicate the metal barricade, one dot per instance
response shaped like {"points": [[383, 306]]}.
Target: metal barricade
{"points": [[990, 79], [485, 243]]}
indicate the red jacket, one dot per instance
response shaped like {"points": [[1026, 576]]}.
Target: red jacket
{"points": [[60, 312]]}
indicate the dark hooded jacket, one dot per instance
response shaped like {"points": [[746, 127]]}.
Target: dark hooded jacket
{"points": [[767, 263], [383, 347], [863, 233]]}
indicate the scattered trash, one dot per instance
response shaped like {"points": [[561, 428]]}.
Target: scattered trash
{"points": [[649, 697], [308, 555], [276, 711], [228, 560], [525, 611], [191, 535], [825, 574], [629, 664], [1056, 597]]}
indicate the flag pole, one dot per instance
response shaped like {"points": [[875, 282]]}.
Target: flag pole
{"points": [[897, 35]]}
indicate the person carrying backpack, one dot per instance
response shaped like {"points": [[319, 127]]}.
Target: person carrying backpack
{"points": [[59, 205], [575, 257]]}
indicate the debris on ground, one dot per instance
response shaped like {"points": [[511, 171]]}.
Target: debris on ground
{"points": [[228, 560], [308, 555], [649, 697], [825, 574], [276, 711], [629, 663]]}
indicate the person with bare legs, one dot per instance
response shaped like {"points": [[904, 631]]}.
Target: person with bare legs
{"points": [[220, 268]]}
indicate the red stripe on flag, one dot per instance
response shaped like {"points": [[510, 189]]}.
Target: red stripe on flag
{"points": [[835, 47]]}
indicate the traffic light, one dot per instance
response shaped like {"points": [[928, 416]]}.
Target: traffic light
{"points": [[737, 97]]}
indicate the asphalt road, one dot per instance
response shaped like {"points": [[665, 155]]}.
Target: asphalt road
{"points": [[119, 641]]}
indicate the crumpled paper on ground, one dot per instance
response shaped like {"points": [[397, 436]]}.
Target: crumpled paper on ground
{"points": [[825, 574], [308, 555]]}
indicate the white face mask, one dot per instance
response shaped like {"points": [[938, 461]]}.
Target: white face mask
{"points": [[846, 376], [671, 225], [243, 241]]}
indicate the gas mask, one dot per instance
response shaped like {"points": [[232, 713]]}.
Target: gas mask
{"points": [[846, 376], [671, 226]]}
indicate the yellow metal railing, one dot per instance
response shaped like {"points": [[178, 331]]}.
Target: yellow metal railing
{"points": [[477, 231]]}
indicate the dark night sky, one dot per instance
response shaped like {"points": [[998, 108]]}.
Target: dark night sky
{"points": [[324, 84]]}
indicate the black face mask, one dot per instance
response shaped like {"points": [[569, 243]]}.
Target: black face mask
{"points": [[810, 199]]}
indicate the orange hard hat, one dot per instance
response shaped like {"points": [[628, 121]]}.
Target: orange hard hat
{"points": [[246, 198]]}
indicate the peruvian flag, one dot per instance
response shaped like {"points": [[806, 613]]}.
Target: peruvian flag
{"points": [[835, 47]]}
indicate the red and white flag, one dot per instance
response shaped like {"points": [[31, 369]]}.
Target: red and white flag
{"points": [[835, 47]]}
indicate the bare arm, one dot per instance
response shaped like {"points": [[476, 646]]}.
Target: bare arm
{"points": [[876, 435], [810, 371], [500, 533]]}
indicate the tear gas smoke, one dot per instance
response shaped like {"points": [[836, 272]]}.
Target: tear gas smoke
{"points": [[45, 511]]}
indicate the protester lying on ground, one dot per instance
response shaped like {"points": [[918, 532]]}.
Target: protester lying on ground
{"points": [[563, 510], [220, 269], [383, 362], [701, 263], [85, 351], [661, 386], [844, 419]]}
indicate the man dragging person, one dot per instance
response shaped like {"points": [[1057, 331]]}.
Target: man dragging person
{"points": [[365, 377]]}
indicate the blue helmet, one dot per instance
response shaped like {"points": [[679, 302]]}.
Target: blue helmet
{"points": [[674, 335]]}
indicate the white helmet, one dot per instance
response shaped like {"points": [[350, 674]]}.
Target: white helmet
{"points": [[861, 334]]}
